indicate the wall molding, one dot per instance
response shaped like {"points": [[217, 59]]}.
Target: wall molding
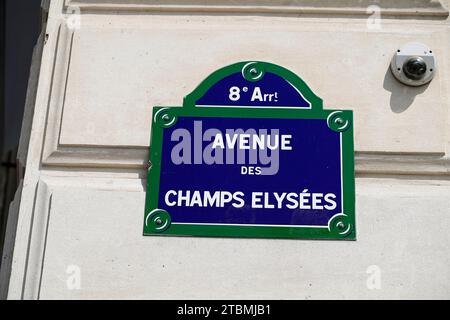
{"points": [[38, 241], [32, 260], [56, 154], [421, 9]]}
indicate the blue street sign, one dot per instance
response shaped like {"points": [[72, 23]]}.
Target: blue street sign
{"points": [[251, 154]]}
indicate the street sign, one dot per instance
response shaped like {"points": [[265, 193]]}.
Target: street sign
{"points": [[251, 153]]}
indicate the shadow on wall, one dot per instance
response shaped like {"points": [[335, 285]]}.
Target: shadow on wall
{"points": [[402, 96]]}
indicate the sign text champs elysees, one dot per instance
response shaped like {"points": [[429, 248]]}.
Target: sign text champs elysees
{"points": [[251, 153]]}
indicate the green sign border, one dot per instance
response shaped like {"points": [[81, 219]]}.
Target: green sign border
{"points": [[340, 226]]}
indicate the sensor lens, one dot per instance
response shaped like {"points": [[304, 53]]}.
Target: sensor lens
{"points": [[415, 68]]}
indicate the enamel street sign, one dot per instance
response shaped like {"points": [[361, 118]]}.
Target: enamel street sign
{"points": [[251, 153]]}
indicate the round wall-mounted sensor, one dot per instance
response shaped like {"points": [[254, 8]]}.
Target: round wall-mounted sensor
{"points": [[413, 64]]}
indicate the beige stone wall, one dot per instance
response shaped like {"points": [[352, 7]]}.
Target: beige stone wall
{"points": [[82, 204]]}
